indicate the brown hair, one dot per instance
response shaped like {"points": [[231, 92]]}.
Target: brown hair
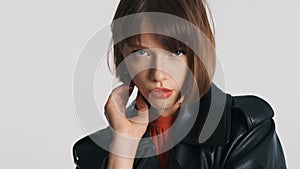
{"points": [[193, 11]]}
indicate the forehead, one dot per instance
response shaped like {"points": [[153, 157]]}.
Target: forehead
{"points": [[145, 41]]}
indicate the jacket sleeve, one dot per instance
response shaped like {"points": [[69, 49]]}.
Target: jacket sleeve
{"points": [[257, 145]]}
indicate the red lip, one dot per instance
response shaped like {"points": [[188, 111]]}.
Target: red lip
{"points": [[162, 89], [161, 92]]}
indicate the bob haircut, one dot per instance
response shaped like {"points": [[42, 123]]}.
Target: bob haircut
{"points": [[194, 12]]}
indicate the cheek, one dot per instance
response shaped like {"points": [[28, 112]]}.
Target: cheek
{"points": [[177, 69], [133, 68], [140, 79], [179, 76]]}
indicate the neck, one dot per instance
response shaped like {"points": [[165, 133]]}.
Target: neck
{"points": [[155, 113], [168, 111]]}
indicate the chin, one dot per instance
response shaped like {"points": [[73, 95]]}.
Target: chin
{"points": [[160, 104]]}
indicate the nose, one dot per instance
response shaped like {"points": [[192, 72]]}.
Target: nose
{"points": [[157, 72]]}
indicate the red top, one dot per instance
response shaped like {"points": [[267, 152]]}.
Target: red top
{"points": [[157, 127]]}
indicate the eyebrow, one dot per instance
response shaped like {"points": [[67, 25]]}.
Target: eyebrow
{"points": [[136, 46]]}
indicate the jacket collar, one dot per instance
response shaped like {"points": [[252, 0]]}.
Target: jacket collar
{"points": [[212, 124]]}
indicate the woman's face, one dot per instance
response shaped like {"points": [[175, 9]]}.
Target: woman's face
{"points": [[157, 73]]}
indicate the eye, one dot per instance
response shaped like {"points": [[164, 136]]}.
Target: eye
{"points": [[140, 53], [177, 52]]}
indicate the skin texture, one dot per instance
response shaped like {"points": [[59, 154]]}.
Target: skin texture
{"points": [[151, 66]]}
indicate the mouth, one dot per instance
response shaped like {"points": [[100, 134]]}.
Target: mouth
{"points": [[161, 93]]}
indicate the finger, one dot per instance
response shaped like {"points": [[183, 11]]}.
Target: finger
{"points": [[115, 105], [141, 118], [121, 94], [123, 90], [143, 110]]}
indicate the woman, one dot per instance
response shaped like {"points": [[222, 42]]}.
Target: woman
{"points": [[180, 119]]}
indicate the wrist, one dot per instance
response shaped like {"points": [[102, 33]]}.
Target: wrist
{"points": [[124, 146], [117, 162]]}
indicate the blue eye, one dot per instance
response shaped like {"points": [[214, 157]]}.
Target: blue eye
{"points": [[140, 53], [177, 52]]}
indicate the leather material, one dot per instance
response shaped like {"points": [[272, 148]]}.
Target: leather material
{"points": [[245, 138]]}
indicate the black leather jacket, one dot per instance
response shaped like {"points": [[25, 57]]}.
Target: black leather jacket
{"points": [[245, 138]]}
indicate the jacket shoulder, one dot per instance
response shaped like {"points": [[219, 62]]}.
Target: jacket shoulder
{"points": [[98, 138], [253, 108], [92, 148]]}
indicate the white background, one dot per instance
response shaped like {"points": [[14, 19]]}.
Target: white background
{"points": [[258, 43]]}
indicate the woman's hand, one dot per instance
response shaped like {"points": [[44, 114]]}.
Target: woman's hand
{"points": [[127, 131], [115, 113]]}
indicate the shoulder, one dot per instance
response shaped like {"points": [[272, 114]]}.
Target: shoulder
{"points": [[253, 136], [98, 138], [92, 148], [253, 109]]}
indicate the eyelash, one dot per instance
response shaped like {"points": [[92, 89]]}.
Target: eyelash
{"points": [[139, 50], [174, 52]]}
